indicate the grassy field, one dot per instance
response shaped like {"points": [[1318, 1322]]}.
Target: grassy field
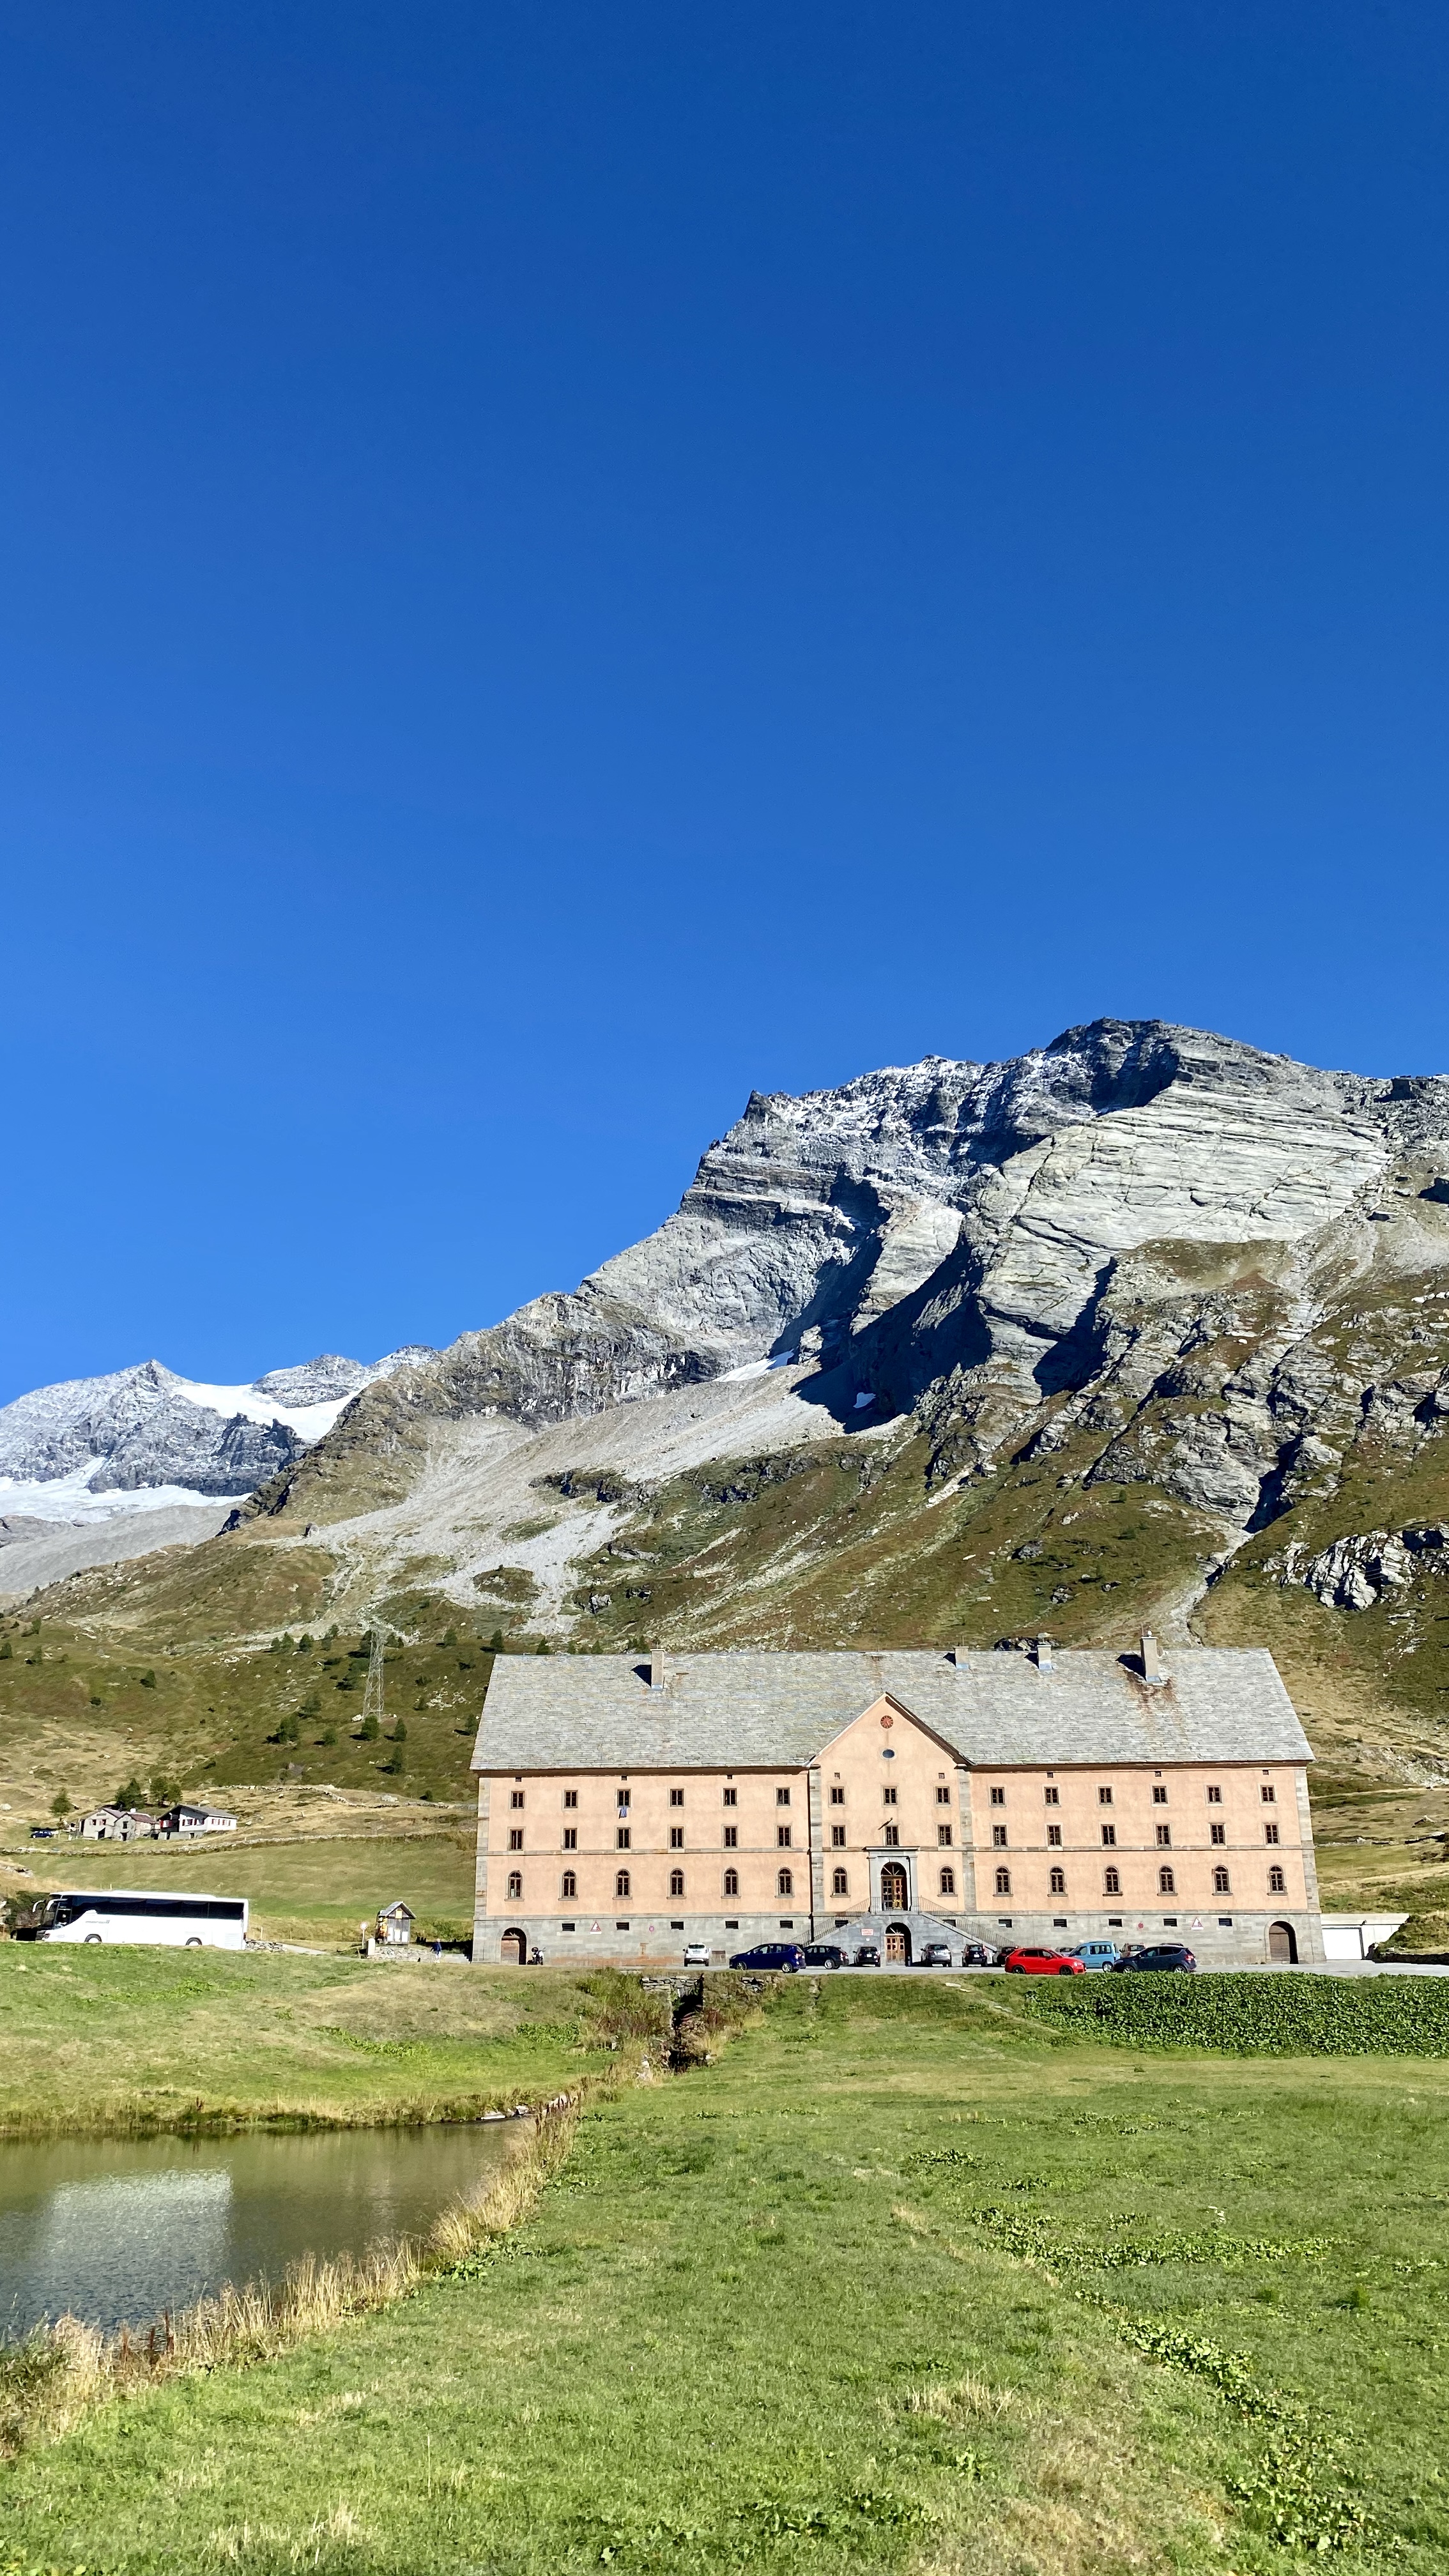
{"points": [[313, 1890], [127, 2039], [907, 2282]]}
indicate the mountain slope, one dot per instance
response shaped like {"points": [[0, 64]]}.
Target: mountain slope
{"points": [[1145, 1324]]}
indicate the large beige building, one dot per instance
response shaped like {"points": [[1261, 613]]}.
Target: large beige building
{"points": [[628, 1805]]}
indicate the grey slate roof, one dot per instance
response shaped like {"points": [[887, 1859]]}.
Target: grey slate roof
{"points": [[777, 1712]]}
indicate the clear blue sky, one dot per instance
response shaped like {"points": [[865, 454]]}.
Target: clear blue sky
{"points": [[563, 562]]}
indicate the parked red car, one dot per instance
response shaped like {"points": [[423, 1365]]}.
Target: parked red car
{"points": [[1043, 1963]]}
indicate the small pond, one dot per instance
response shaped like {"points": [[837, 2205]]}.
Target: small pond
{"points": [[115, 2230]]}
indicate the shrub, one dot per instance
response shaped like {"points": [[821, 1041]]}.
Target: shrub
{"points": [[1255, 2016]]}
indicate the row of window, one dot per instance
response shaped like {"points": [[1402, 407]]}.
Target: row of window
{"points": [[623, 1835], [1050, 1797], [840, 1883], [1109, 1836], [1166, 1882], [569, 1885]]}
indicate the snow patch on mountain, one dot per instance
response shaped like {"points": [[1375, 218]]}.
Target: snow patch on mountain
{"points": [[144, 1439]]}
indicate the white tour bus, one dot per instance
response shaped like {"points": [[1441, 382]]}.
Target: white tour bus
{"points": [[189, 1922]]}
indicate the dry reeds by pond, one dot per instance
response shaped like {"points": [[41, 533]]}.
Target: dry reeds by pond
{"points": [[54, 2378]]}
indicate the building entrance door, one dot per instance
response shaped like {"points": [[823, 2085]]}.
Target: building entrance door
{"points": [[894, 1895], [515, 1948], [1282, 1943], [897, 1946]]}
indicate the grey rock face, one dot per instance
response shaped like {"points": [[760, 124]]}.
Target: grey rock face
{"points": [[1355, 1572], [979, 1241]]}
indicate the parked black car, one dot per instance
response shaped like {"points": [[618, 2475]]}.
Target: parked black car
{"points": [[771, 1954], [980, 1954], [1161, 1954], [868, 1955], [825, 1954]]}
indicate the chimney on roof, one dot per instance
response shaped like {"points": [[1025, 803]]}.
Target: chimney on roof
{"points": [[1152, 1667], [656, 1668], [1043, 1654]]}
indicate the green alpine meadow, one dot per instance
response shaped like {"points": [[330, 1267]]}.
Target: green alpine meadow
{"points": [[838, 2275]]}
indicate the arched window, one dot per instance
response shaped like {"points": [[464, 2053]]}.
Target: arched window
{"points": [[1003, 1882], [515, 1882], [785, 1884], [1059, 1882], [948, 1882], [1111, 1882], [621, 1883], [1277, 1883], [1166, 1883], [676, 1882], [840, 1884], [570, 1883], [732, 1882], [1222, 1884]]}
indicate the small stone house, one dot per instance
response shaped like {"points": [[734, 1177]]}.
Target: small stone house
{"points": [[115, 1825], [395, 1925]]}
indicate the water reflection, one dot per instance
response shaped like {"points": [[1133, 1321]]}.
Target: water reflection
{"points": [[114, 2230]]}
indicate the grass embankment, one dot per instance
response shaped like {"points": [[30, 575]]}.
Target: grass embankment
{"points": [[126, 2040], [906, 2282]]}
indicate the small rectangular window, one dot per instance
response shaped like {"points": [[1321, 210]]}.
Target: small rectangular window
{"points": [[782, 1837], [731, 1837], [1218, 1833], [1268, 1795], [889, 1797], [571, 1797], [1159, 1795], [515, 1797], [676, 1797], [621, 1839], [943, 1837], [782, 1797], [998, 1837], [1215, 1797], [837, 1797], [676, 1837], [1270, 1833], [1164, 1837], [515, 1839], [621, 1800], [1109, 1836], [571, 1838], [1051, 1795], [893, 1838], [1054, 1837], [1104, 1797], [998, 1797], [943, 1797], [837, 1837], [731, 1797]]}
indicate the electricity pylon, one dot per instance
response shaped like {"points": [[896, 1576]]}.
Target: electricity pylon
{"points": [[372, 1703]]}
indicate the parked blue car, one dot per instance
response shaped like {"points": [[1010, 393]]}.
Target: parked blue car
{"points": [[771, 1954], [1096, 1954], [1163, 1954]]}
